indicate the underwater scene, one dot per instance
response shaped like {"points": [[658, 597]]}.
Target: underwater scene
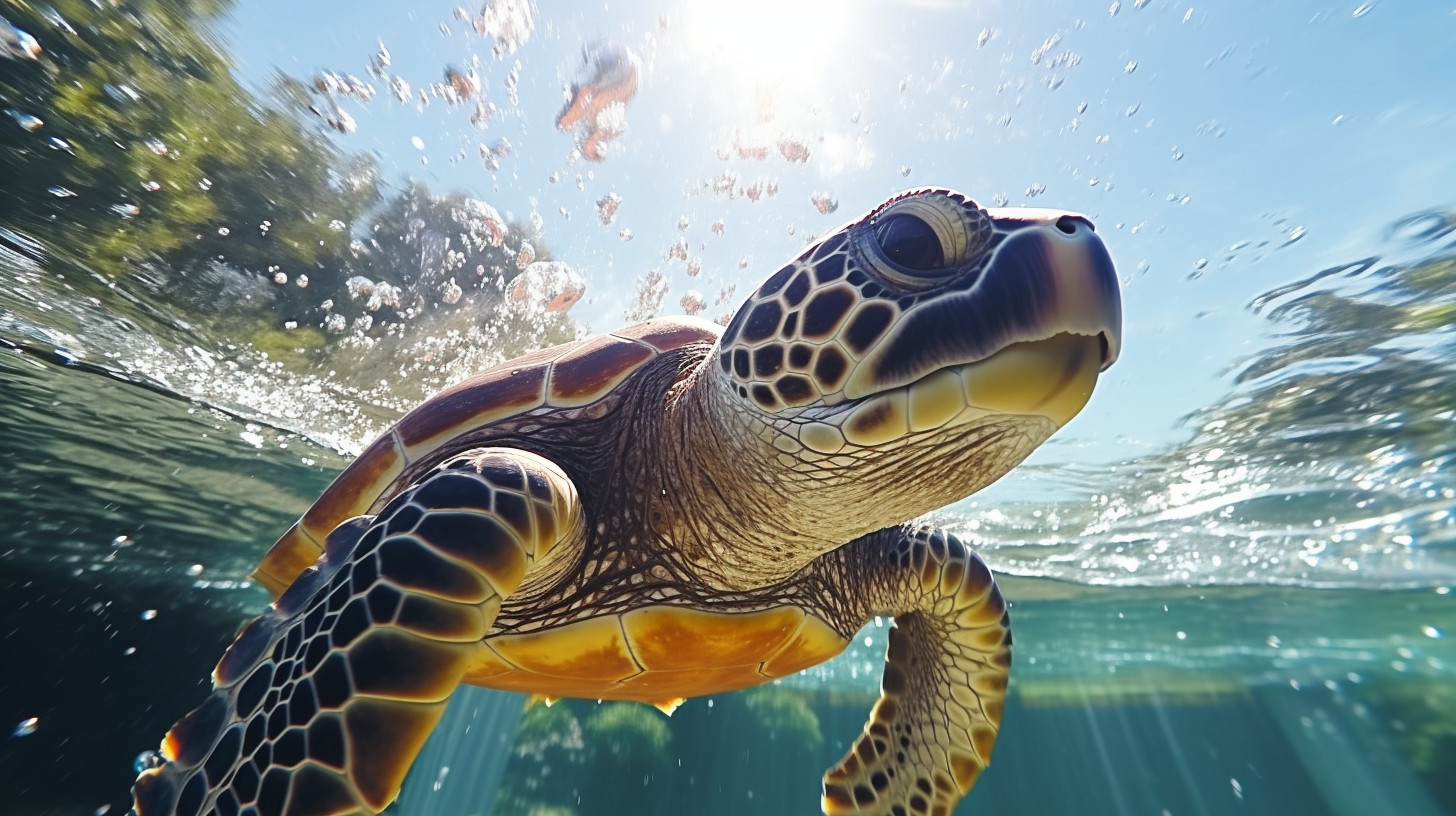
{"points": [[239, 239]]}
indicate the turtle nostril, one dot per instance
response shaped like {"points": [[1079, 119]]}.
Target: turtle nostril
{"points": [[1068, 224]]}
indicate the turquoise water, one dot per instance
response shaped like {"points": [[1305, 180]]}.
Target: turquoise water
{"points": [[234, 245]]}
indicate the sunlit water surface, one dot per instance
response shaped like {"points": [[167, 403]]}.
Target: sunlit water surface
{"points": [[1231, 578]]}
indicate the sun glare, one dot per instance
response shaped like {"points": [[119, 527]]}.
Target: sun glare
{"points": [[786, 44]]}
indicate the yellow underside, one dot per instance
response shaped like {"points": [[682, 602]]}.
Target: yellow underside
{"points": [[656, 654]]}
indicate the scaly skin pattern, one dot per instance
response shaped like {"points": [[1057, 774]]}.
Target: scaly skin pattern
{"points": [[322, 703], [667, 511]]}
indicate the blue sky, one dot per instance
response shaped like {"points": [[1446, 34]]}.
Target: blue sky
{"points": [[1239, 122]]}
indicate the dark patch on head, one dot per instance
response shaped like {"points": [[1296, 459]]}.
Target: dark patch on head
{"points": [[791, 326], [764, 396], [963, 325], [730, 333], [800, 355], [762, 322], [829, 269], [857, 278], [768, 361], [824, 313], [740, 363], [795, 389], [868, 326], [772, 286], [829, 246], [794, 295], [872, 290], [831, 368], [726, 361]]}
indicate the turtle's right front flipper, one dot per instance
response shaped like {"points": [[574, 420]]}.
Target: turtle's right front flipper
{"points": [[322, 703]]}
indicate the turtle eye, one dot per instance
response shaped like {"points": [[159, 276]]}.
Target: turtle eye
{"points": [[907, 240], [918, 241]]}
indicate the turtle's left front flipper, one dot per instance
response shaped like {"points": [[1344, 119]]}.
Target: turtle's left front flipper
{"points": [[322, 703], [931, 733]]}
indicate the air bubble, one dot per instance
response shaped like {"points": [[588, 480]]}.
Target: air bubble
{"points": [[607, 207], [148, 760], [26, 121]]}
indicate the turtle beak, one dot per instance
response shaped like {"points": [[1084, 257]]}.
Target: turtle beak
{"points": [[1085, 295]]}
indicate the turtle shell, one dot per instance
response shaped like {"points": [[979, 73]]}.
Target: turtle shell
{"points": [[565, 376]]}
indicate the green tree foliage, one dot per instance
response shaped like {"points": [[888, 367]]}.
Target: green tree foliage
{"points": [[129, 149], [148, 149]]}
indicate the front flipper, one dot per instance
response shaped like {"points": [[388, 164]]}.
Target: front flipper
{"points": [[931, 733], [322, 703]]}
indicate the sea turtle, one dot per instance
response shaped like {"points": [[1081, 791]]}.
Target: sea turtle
{"points": [[669, 511]]}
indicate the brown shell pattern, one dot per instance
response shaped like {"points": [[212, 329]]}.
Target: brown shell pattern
{"points": [[564, 376]]}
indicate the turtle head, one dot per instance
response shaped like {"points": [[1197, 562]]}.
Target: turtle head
{"points": [[928, 316]]}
